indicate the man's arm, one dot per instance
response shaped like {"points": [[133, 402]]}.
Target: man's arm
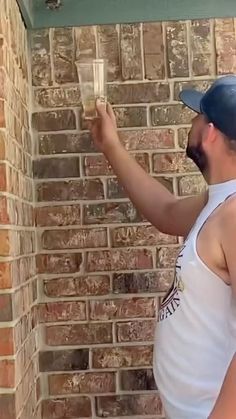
{"points": [[225, 407], [161, 208]]}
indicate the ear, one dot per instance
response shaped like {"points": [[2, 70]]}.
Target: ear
{"points": [[209, 133]]}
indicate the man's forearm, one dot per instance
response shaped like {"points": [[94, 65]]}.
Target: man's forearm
{"points": [[225, 407]]}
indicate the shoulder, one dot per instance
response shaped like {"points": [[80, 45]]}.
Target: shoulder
{"points": [[228, 218]]}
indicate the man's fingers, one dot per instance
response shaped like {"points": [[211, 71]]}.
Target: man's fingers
{"points": [[111, 114], [101, 108]]}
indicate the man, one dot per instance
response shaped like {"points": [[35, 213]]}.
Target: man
{"points": [[194, 357]]}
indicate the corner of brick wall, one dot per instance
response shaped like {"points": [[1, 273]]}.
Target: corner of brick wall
{"points": [[19, 387], [102, 268]]}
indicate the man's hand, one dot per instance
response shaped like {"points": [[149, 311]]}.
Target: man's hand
{"points": [[104, 129]]}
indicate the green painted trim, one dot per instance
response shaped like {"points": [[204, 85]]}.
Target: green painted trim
{"points": [[26, 9], [89, 12]]}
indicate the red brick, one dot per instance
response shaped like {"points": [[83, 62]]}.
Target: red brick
{"points": [[63, 53], [58, 215], [74, 239], [56, 97], [66, 408], [4, 215], [99, 166], [6, 307], [177, 49], [54, 120], [170, 115], [2, 83], [135, 116], [122, 308], [2, 146], [70, 190], [68, 360], [79, 334], [148, 139], [103, 382], [62, 311], [172, 163], [139, 236], [153, 45], [7, 373], [2, 114], [66, 143], [6, 341], [122, 356], [3, 176], [108, 47], [57, 168], [119, 260], [142, 404], [7, 403], [136, 331], [110, 213], [81, 286], [131, 60], [166, 256], [141, 282], [225, 42], [5, 275], [201, 47], [137, 380], [121, 94], [41, 66], [59, 263]]}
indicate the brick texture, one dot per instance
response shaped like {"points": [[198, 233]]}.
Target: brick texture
{"points": [[18, 303], [100, 268]]}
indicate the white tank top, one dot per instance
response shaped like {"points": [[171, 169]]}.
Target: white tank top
{"points": [[196, 334]]}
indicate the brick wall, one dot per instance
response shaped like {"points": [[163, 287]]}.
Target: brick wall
{"points": [[18, 288], [102, 268]]}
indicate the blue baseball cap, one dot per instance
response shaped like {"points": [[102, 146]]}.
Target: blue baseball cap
{"points": [[218, 104]]}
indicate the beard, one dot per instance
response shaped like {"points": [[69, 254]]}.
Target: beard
{"points": [[198, 156]]}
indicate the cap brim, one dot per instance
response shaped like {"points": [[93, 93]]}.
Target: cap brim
{"points": [[192, 99]]}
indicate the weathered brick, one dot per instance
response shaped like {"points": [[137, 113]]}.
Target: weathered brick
{"points": [[166, 256], [74, 239], [115, 189], [131, 59], [65, 143], [74, 359], [85, 42], [6, 307], [99, 166], [122, 308], [54, 120], [131, 116], [177, 50], [56, 97], [66, 408], [94, 382], [172, 163], [108, 48], [225, 41], [201, 48], [70, 190], [183, 137], [79, 334], [137, 380], [63, 54], [58, 215], [201, 85], [5, 275], [2, 114], [7, 340], [117, 260], [139, 236], [140, 282], [59, 263], [41, 64], [154, 59], [62, 311], [191, 185], [81, 286], [170, 115], [122, 356], [57, 168], [119, 94], [136, 331], [8, 408], [7, 374], [2, 83], [150, 139], [110, 213], [142, 404]]}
